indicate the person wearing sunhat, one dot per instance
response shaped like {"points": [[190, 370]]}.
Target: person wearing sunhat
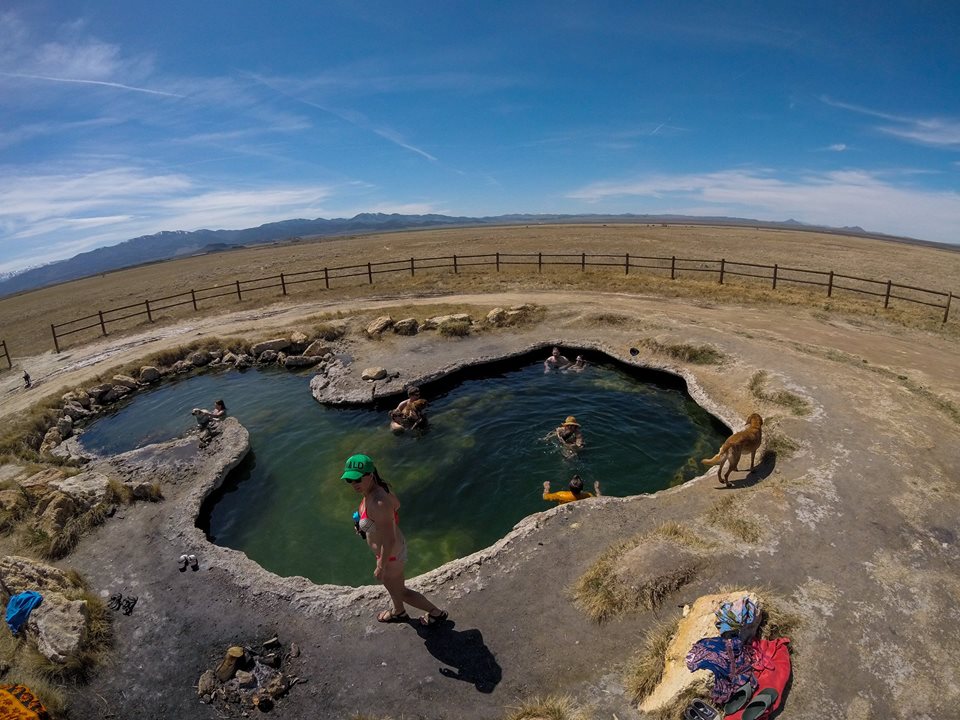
{"points": [[378, 522], [569, 434]]}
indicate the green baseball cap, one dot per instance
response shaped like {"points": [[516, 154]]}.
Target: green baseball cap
{"points": [[357, 466]]}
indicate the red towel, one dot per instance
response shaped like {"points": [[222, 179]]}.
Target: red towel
{"points": [[772, 668]]}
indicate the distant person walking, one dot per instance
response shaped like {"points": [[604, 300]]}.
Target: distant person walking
{"points": [[27, 384], [378, 522]]}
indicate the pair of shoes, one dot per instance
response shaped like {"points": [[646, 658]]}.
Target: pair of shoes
{"points": [[392, 616], [699, 710], [190, 560], [429, 620], [741, 696]]}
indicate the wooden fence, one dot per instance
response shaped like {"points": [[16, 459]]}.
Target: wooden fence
{"points": [[776, 275], [5, 354]]}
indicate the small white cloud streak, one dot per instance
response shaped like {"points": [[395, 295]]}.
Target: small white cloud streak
{"points": [[934, 131], [843, 198], [837, 147], [103, 83]]}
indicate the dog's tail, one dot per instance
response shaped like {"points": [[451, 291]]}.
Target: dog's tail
{"points": [[715, 459]]}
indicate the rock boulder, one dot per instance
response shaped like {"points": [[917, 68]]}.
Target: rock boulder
{"points": [[275, 344], [374, 373], [379, 325]]}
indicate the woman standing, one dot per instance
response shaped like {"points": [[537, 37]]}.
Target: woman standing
{"points": [[378, 522]]}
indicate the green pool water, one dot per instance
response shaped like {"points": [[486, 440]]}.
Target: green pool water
{"points": [[463, 484]]}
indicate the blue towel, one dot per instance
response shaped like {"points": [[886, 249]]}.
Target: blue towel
{"points": [[19, 608]]}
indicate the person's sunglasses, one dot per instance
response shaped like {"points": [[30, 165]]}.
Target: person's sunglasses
{"points": [[353, 482]]}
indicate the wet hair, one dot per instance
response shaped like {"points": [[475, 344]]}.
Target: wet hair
{"points": [[379, 480], [219, 403], [413, 391], [576, 485]]}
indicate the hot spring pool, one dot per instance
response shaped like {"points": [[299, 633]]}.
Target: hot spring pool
{"points": [[463, 484]]}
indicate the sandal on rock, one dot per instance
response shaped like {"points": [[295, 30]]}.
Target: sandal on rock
{"points": [[194, 564], [392, 616], [429, 620], [182, 562]]}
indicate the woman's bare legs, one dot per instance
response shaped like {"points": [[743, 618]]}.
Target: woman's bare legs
{"points": [[401, 595]]}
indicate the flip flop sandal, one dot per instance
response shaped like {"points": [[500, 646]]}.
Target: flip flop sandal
{"points": [[194, 565], [759, 704], [389, 616], [429, 620], [741, 696], [704, 711], [182, 563]]}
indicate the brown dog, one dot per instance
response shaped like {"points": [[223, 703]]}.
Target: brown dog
{"points": [[736, 444]]}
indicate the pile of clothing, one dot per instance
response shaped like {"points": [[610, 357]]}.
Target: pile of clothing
{"points": [[749, 673]]}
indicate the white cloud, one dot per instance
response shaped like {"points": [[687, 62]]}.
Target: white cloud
{"points": [[935, 131], [837, 147], [843, 198]]}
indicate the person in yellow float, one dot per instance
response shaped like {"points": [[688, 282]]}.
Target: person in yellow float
{"points": [[574, 491]]}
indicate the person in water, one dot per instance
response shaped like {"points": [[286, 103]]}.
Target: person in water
{"points": [[573, 492], [378, 522], [556, 361], [410, 413], [578, 365], [569, 434]]}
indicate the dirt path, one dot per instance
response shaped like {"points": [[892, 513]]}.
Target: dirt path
{"points": [[857, 533]]}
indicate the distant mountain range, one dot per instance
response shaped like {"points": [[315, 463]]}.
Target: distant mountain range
{"points": [[174, 244]]}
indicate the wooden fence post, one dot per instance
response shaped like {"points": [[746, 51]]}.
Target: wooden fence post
{"points": [[774, 276], [239, 296], [56, 345], [673, 268], [146, 304], [626, 264], [326, 278], [103, 325], [498, 262], [454, 264], [283, 284], [370, 273], [830, 285], [6, 354], [539, 262], [411, 267], [723, 264], [886, 297], [583, 262], [193, 296], [946, 312]]}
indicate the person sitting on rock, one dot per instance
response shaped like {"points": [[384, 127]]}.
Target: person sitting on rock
{"points": [[556, 361], [206, 418], [574, 492]]}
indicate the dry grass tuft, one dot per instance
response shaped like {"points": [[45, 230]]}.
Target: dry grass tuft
{"points": [[696, 354], [784, 398], [459, 328], [645, 670], [780, 445], [551, 707], [602, 595], [727, 513]]}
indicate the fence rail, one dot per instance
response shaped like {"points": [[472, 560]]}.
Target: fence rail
{"points": [[675, 266], [5, 354]]}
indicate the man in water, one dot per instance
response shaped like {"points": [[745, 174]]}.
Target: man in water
{"points": [[556, 361], [574, 491]]}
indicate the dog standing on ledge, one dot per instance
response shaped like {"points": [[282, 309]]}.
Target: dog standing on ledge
{"points": [[745, 440]]}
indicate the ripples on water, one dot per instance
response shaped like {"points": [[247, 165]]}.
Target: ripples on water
{"points": [[463, 484]]}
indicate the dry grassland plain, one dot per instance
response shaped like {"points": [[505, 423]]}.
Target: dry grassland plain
{"points": [[25, 319]]}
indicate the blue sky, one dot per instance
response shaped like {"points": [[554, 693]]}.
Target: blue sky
{"points": [[120, 119]]}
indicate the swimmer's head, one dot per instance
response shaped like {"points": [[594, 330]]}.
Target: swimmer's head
{"points": [[576, 485], [413, 391]]}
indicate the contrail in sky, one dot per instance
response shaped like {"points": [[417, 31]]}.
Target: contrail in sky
{"points": [[91, 82]]}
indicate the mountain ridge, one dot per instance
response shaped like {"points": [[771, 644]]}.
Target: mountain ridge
{"points": [[170, 244]]}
